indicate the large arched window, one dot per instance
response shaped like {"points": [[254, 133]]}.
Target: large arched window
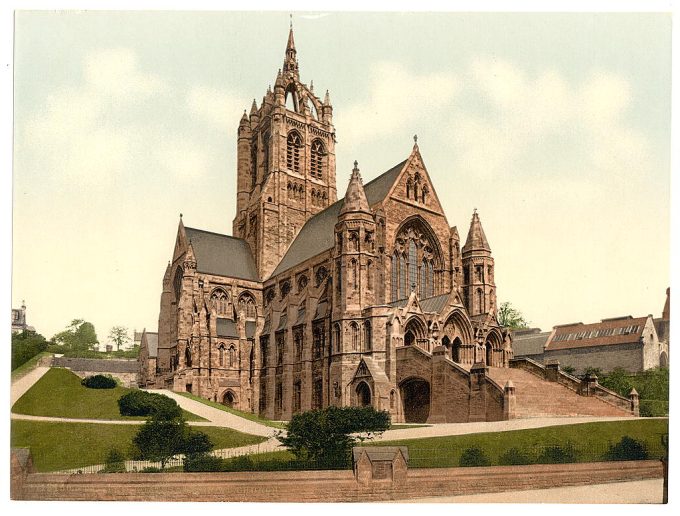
{"points": [[293, 146], [221, 354], [232, 356], [336, 337], [416, 256], [219, 301], [317, 158]]}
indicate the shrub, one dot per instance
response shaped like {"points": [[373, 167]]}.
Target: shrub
{"points": [[99, 381], [514, 457], [202, 462], [151, 469], [627, 449], [197, 443], [241, 463], [557, 454], [472, 457], [141, 403], [114, 462], [26, 345]]}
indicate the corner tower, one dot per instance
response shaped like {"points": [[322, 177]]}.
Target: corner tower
{"points": [[479, 289], [286, 164]]}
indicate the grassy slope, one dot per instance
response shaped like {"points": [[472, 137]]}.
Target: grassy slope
{"points": [[592, 440], [28, 366], [57, 446], [441, 452], [59, 394], [245, 415]]}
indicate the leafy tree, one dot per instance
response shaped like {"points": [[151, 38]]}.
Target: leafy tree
{"points": [[26, 345], [119, 336], [115, 462], [569, 369], [510, 317], [159, 440], [78, 336], [327, 435]]}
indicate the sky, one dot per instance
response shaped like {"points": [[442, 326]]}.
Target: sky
{"points": [[555, 127]]}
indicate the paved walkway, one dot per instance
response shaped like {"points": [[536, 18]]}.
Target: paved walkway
{"points": [[444, 429], [219, 417], [20, 386], [639, 491]]}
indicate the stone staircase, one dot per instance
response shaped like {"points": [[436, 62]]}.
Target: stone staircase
{"points": [[537, 397]]}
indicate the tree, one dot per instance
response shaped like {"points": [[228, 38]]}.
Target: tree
{"points": [[327, 435], [158, 440], [510, 317], [26, 345], [78, 336], [119, 335]]}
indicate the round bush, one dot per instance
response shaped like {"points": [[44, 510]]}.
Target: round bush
{"points": [[514, 457], [142, 403], [99, 381], [473, 457], [627, 449]]}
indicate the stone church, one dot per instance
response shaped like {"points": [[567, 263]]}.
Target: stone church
{"points": [[368, 300]]}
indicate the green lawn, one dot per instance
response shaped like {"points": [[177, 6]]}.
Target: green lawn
{"points": [[28, 366], [59, 394], [591, 440], [57, 446], [245, 415]]}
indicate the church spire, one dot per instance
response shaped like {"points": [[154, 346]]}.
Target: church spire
{"points": [[290, 64], [476, 239], [355, 198]]}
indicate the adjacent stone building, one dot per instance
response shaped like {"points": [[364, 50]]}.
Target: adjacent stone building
{"points": [[19, 323], [372, 299], [148, 355]]}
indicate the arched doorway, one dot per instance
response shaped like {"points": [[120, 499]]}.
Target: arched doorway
{"points": [[229, 399], [363, 395], [409, 338], [489, 354], [415, 394]]}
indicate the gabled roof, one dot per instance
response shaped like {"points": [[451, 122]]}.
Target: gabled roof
{"points": [[222, 255], [529, 342], [428, 305], [622, 330], [152, 343], [317, 235]]}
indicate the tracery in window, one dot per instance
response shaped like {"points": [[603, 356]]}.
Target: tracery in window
{"points": [[354, 333], [414, 260], [246, 304], [219, 301]]}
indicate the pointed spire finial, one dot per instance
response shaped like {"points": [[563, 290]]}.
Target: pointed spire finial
{"points": [[291, 21], [180, 215], [415, 139], [356, 166], [327, 99]]}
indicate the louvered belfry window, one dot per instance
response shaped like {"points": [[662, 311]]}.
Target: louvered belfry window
{"points": [[293, 145], [317, 155]]}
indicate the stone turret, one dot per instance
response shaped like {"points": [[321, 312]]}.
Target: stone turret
{"points": [[479, 289]]}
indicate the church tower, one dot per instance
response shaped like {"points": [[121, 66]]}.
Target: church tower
{"points": [[285, 162], [479, 289]]}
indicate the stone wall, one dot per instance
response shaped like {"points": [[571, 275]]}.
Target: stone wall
{"points": [[607, 358], [127, 371], [323, 486]]}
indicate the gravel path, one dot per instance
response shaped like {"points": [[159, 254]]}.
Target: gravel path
{"points": [[219, 417], [639, 491], [445, 429], [20, 386]]}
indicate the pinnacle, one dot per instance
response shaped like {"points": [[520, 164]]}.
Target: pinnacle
{"points": [[476, 239], [355, 198]]}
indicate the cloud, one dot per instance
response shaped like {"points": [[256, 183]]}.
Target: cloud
{"points": [[103, 128], [220, 108], [531, 124], [397, 98]]}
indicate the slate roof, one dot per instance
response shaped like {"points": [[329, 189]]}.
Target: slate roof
{"points": [[317, 235], [222, 255], [97, 365], [621, 330], [529, 342], [429, 305]]}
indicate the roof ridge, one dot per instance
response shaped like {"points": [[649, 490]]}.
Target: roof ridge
{"points": [[216, 234]]}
